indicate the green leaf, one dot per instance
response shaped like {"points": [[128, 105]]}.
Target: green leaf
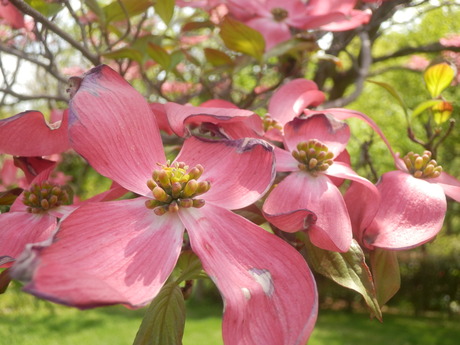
{"points": [[347, 269], [159, 55], [189, 266], [392, 92], [127, 9], [241, 38], [96, 9], [424, 106], [9, 196], [164, 321], [45, 8], [292, 46], [217, 58], [385, 270], [191, 26], [438, 78], [165, 9], [442, 112], [124, 53]]}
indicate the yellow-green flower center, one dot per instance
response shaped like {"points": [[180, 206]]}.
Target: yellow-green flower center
{"points": [[422, 166], [313, 156], [174, 186], [270, 123], [44, 196], [279, 14]]}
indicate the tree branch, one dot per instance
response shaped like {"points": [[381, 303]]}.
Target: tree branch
{"points": [[435, 47], [26, 9]]}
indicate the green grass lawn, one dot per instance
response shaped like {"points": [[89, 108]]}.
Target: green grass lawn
{"points": [[25, 320]]}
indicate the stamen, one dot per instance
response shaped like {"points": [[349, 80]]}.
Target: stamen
{"points": [[279, 14], [422, 166], [174, 186], [41, 197], [313, 156], [270, 123]]}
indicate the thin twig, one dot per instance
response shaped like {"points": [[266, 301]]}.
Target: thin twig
{"points": [[26, 9]]}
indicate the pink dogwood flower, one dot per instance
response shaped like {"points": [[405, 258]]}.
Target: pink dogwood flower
{"points": [[11, 15], [123, 251], [412, 207], [34, 215], [308, 199], [272, 18]]}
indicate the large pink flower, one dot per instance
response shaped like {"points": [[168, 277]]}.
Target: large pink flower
{"points": [[412, 207], [123, 251], [308, 199], [11, 15]]}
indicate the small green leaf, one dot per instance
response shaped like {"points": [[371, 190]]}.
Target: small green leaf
{"points": [[164, 320], [125, 9], [189, 266], [424, 106], [217, 58], [96, 9], [347, 269], [241, 38], [442, 112], [45, 8], [438, 78], [165, 9], [192, 26], [392, 92], [124, 53], [385, 270], [9, 196], [159, 55]]}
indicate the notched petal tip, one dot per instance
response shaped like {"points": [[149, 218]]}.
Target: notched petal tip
{"points": [[248, 144], [73, 85]]}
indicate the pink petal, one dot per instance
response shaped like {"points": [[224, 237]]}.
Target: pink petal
{"points": [[11, 15], [285, 161], [266, 300], [158, 110], [105, 253], [411, 212], [322, 204], [240, 171], [292, 98], [273, 32], [113, 127], [352, 20], [342, 114], [181, 116], [20, 228], [28, 134], [33, 166], [450, 185], [334, 134]]}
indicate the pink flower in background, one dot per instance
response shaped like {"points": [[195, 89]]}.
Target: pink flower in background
{"points": [[123, 251], [10, 15], [288, 102], [418, 62], [9, 176], [272, 18], [412, 207], [334, 15], [308, 199]]}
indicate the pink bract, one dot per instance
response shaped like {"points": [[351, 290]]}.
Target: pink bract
{"points": [[123, 252]]}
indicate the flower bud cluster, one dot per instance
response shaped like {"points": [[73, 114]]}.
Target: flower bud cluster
{"points": [[270, 123], [44, 196], [174, 186], [279, 14], [313, 156], [422, 166]]}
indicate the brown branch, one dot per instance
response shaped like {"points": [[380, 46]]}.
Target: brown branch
{"points": [[26, 9], [435, 47], [34, 97]]}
